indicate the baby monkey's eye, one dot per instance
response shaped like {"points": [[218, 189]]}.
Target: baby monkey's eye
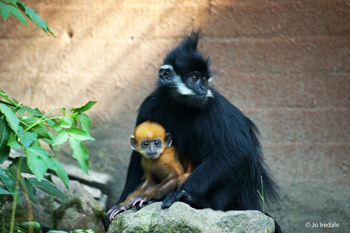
{"points": [[157, 143]]}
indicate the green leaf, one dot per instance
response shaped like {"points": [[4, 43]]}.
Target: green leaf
{"points": [[32, 15], [13, 2], [10, 1], [48, 141], [73, 115], [21, 111], [60, 137], [11, 117], [52, 164], [14, 100], [4, 12], [4, 137], [20, 163], [27, 138], [35, 161], [30, 120], [55, 231], [43, 154], [51, 142], [4, 95], [80, 231], [61, 173], [56, 127], [13, 142], [36, 143], [19, 199], [66, 122], [17, 14], [24, 227], [4, 191], [49, 178], [9, 183], [21, 6], [35, 112], [81, 154], [85, 122], [48, 187], [74, 123], [31, 190], [85, 107], [79, 134]]}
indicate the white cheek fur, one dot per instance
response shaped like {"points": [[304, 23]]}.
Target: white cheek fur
{"points": [[210, 94], [181, 87], [167, 67]]}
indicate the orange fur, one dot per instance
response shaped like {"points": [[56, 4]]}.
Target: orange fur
{"points": [[149, 130], [167, 163], [162, 175]]}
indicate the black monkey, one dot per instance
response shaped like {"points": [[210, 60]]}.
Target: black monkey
{"points": [[221, 140]]}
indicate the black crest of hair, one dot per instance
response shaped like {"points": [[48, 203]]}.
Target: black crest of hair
{"points": [[221, 140], [186, 58]]}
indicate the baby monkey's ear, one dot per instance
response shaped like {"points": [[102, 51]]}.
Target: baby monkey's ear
{"points": [[133, 142], [168, 140]]}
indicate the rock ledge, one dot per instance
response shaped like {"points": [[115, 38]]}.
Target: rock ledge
{"points": [[182, 218]]}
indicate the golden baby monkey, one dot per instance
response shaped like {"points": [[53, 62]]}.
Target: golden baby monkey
{"points": [[165, 169]]}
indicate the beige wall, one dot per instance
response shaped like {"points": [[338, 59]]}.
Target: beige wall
{"points": [[286, 64]]}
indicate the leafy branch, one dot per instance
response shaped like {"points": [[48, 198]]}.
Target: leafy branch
{"points": [[27, 128], [15, 7]]}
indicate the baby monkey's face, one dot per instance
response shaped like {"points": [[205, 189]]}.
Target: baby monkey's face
{"points": [[151, 148]]}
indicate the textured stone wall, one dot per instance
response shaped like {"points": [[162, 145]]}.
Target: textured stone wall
{"points": [[286, 64]]}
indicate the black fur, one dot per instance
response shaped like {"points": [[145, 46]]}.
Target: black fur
{"points": [[186, 56], [221, 140]]}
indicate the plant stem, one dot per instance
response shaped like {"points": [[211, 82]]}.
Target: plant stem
{"points": [[38, 73], [263, 201], [51, 212], [14, 208], [14, 204], [41, 119], [30, 212]]}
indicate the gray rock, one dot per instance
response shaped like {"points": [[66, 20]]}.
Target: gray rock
{"points": [[79, 211], [181, 218]]}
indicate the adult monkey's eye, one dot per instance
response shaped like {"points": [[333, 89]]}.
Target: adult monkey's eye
{"points": [[205, 80], [194, 78]]}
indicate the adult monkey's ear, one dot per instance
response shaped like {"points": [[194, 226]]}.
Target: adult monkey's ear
{"points": [[133, 142], [168, 140], [165, 73]]}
